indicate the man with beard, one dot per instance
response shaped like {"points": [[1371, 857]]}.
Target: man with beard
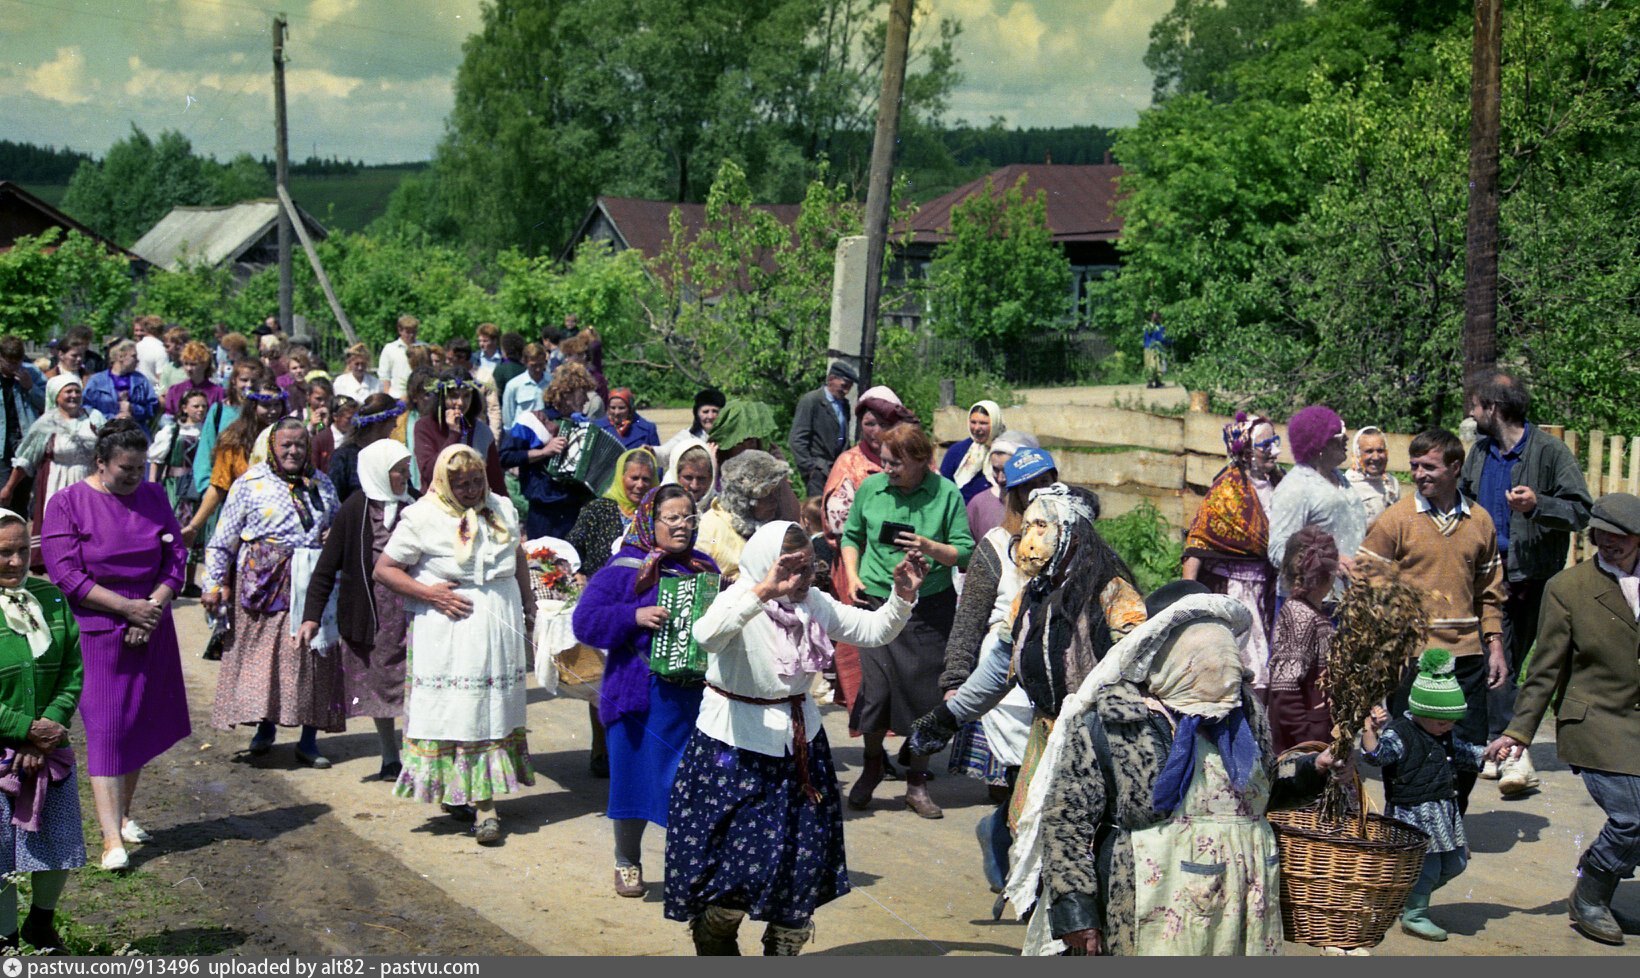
{"points": [[1529, 482]]}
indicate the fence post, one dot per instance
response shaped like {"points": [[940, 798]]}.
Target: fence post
{"points": [[1614, 471], [1597, 463], [948, 392], [1634, 465]]}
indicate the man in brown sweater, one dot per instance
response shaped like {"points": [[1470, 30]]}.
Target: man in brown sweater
{"points": [[1447, 548]]}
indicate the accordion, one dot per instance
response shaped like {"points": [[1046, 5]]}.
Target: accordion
{"points": [[589, 458], [674, 655]]}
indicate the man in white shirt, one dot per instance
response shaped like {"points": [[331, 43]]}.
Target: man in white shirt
{"points": [[152, 357], [488, 356], [394, 367], [523, 392]]}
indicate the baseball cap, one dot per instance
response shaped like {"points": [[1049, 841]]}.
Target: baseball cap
{"points": [[1026, 464]]}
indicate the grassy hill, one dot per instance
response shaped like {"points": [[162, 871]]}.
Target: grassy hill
{"points": [[347, 202]]}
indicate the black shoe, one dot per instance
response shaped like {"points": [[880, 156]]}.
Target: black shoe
{"points": [[260, 746], [465, 814], [390, 771], [39, 930], [318, 762], [1591, 905]]}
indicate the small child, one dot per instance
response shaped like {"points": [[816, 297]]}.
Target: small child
{"points": [[1296, 703], [825, 555], [171, 464], [1421, 756]]}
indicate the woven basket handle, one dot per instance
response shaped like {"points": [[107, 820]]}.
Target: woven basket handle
{"points": [[1316, 747]]}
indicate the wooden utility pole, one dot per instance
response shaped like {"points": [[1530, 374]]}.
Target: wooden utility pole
{"points": [[1480, 298], [881, 185], [281, 171]]}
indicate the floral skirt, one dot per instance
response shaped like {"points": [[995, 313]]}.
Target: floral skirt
{"points": [[60, 843], [464, 773], [742, 835]]}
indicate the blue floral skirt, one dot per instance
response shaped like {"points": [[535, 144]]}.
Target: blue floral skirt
{"points": [[741, 834]]}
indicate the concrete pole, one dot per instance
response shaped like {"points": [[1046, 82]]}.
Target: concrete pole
{"points": [[881, 185]]}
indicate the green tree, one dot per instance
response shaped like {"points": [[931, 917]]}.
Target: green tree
{"points": [[1193, 45], [136, 184], [999, 277], [241, 178], [47, 286]]}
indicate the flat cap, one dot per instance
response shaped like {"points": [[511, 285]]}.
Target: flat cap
{"points": [[1617, 512], [843, 370]]}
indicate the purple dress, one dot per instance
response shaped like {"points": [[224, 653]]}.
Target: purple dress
{"points": [[135, 705]]}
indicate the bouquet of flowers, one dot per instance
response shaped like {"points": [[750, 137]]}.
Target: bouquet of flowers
{"points": [[551, 577]]}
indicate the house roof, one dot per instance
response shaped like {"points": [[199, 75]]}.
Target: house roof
{"points": [[1081, 201], [643, 224], [33, 215], [213, 235]]}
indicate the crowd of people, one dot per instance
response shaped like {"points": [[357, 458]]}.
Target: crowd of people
{"points": [[361, 545]]}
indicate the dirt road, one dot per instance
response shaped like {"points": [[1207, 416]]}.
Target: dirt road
{"points": [[290, 859]]}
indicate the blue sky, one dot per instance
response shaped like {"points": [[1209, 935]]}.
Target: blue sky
{"points": [[371, 79]]}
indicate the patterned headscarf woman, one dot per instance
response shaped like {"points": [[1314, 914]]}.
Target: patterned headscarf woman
{"points": [[624, 394], [1238, 437], [657, 559], [977, 459], [305, 494], [22, 611], [1232, 522], [885, 404], [485, 513], [617, 485]]}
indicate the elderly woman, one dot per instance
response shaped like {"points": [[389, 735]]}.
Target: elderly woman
{"points": [[604, 522], [56, 450], [905, 509], [1163, 763], [708, 403], [752, 485], [694, 468], [755, 825], [966, 461], [122, 391], [269, 677], [1227, 547], [40, 682], [370, 616], [534, 438], [196, 368], [878, 410], [456, 559], [113, 546], [648, 718], [622, 420], [458, 419], [1369, 477], [1315, 492]]}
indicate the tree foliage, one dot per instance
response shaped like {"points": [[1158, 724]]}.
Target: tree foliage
{"points": [[51, 282]]}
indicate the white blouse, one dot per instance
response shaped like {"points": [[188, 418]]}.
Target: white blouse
{"points": [[737, 635]]}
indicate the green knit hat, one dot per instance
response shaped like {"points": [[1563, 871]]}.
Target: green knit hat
{"points": [[1436, 693]]}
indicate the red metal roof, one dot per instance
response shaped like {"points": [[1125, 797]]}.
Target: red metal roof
{"points": [[642, 224], [22, 213], [1081, 201]]}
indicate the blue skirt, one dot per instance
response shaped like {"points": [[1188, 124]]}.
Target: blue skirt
{"points": [[744, 837], [645, 748], [60, 843]]}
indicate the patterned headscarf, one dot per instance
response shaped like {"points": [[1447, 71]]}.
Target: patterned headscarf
{"points": [[22, 611], [625, 394], [657, 558], [617, 485], [1238, 436], [467, 529]]}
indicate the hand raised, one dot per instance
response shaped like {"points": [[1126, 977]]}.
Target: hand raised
{"points": [[909, 576]]}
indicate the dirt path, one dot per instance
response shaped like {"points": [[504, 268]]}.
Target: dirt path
{"points": [[293, 859]]}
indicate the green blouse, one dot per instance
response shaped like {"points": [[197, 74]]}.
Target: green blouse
{"points": [[46, 687], [935, 509]]}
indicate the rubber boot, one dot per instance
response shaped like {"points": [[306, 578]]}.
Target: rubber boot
{"points": [[786, 942], [39, 930], [1591, 904], [1415, 919], [871, 775], [916, 796], [716, 931]]}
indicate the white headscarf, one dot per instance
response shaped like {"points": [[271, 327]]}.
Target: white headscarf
{"points": [[22, 609], [978, 457], [376, 460], [678, 451], [1355, 444], [803, 645]]}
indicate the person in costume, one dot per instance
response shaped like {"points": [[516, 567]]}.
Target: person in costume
{"points": [[458, 419]]}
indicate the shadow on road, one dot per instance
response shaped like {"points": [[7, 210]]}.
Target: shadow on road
{"points": [[1502, 831], [1469, 919], [919, 947], [191, 940], [259, 826]]}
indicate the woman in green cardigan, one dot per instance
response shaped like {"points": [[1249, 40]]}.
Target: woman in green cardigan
{"points": [[40, 680]]}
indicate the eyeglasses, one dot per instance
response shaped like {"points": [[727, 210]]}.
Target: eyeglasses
{"points": [[677, 521], [1269, 444]]}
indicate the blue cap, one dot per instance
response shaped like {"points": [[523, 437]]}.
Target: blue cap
{"points": [[1026, 464]]}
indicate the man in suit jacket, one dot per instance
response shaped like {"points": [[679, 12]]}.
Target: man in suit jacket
{"points": [[1585, 664], [820, 427]]}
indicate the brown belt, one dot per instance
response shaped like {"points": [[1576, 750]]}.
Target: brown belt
{"points": [[800, 737]]}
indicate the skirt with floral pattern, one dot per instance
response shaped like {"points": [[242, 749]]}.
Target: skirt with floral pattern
{"points": [[741, 834]]}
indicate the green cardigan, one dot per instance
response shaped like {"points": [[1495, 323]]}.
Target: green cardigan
{"points": [[49, 686]]}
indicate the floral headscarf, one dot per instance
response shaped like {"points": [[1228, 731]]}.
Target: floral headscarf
{"points": [[624, 394], [656, 558], [467, 529], [1238, 436]]}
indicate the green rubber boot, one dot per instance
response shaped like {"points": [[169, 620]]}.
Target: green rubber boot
{"points": [[1415, 919]]}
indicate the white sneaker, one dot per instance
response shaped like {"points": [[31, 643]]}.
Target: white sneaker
{"points": [[132, 832], [1489, 771], [1517, 777], [115, 859]]}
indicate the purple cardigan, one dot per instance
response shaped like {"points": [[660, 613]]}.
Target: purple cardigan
{"points": [[605, 618]]}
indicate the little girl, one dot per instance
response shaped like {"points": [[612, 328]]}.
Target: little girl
{"points": [[1420, 756], [1296, 704]]}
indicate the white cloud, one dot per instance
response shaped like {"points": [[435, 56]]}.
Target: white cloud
{"points": [[62, 79]]}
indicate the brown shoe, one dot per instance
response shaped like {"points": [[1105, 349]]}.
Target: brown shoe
{"points": [[871, 775], [916, 796], [629, 881]]}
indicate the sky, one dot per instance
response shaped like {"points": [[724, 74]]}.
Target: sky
{"points": [[371, 79]]}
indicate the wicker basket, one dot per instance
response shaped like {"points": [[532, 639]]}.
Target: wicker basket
{"points": [[1343, 884]]}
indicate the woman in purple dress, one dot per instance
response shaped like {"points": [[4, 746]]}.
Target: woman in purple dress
{"points": [[112, 544]]}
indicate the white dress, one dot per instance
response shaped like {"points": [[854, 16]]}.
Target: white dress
{"points": [[466, 678]]}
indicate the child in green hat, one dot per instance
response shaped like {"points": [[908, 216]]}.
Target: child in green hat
{"points": [[1420, 756]]}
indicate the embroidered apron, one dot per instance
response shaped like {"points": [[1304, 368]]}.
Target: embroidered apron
{"points": [[1207, 880]]}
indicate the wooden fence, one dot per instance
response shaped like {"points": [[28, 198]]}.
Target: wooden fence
{"points": [[1131, 456]]}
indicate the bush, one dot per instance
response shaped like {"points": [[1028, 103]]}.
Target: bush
{"points": [[1151, 548]]}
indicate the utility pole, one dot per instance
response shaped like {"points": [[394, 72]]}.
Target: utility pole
{"points": [[880, 187], [281, 171], [1480, 297]]}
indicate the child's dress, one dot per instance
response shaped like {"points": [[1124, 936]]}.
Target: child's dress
{"points": [[173, 451], [1295, 702], [1420, 779]]}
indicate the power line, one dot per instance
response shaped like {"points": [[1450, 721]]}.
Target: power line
{"points": [[336, 23]]}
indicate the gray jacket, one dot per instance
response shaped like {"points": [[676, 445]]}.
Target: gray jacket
{"points": [[1538, 540], [813, 438]]}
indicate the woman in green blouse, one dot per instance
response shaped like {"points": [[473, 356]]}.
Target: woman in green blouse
{"points": [[40, 680], [901, 679]]}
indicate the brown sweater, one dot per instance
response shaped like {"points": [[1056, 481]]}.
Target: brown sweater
{"points": [[1459, 574]]}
